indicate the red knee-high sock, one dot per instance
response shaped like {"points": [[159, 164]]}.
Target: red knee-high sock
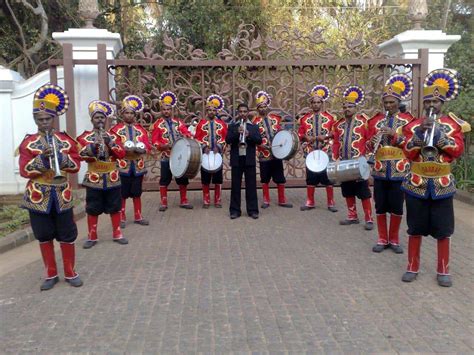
{"points": [[164, 196], [330, 196], [116, 231], [382, 229], [217, 194], [137, 208], [69, 259], [183, 195], [266, 193], [443, 256], [281, 193], [351, 208], [123, 217], [414, 246], [206, 195], [49, 260], [310, 196], [367, 206], [92, 222], [395, 221]]}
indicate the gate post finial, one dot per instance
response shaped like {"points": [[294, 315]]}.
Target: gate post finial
{"points": [[417, 12], [88, 11]]}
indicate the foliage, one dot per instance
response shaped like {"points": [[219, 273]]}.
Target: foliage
{"points": [[12, 218]]}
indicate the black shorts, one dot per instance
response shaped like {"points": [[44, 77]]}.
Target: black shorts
{"points": [[103, 201], [272, 170], [214, 178], [54, 225], [131, 186], [388, 197], [166, 176], [430, 217], [356, 188], [314, 179]]}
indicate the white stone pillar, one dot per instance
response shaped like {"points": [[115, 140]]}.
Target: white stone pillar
{"points": [[406, 44], [9, 181], [86, 86]]}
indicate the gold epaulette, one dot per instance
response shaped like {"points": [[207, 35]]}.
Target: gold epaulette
{"points": [[465, 126]]}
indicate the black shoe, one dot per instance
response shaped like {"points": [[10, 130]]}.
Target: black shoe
{"points": [[369, 226], [306, 208], [89, 244], [163, 208], [444, 280], [123, 224], [218, 205], [409, 276], [286, 204], [379, 248], [332, 208], [347, 222], [397, 249], [205, 206], [186, 207], [234, 215], [75, 282], [142, 222], [121, 241], [265, 205], [48, 284], [254, 215]]}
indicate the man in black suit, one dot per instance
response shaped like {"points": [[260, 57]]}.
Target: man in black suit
{"points": [[243, 137]]}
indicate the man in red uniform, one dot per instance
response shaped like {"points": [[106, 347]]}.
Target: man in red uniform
{"points": [[165, 131], [314, 132], [390, 164], [350, 135], [101, 149], [433, 142], [45, 159], [211, 133], [270, 168], [132, 168]]}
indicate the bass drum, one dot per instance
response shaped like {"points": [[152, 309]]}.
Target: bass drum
{"points": [[185, 159], [348, 170], [317, 161], [285, 145], [211, 162]]}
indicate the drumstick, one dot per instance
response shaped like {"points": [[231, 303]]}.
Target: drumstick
{"points": [[279, 145]]}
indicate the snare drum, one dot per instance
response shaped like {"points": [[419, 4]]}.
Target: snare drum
{"points": [[348, 170], [185, 158], [285, 145], [211, 162], [317, 161]]}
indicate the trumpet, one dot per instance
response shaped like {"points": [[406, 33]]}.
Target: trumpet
{"points": [[53, 160], [100, 142], [429, 150], [378, 140], [242, 143]]}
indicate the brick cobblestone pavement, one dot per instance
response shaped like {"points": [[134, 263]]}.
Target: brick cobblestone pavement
{"points": [[291, 281]]}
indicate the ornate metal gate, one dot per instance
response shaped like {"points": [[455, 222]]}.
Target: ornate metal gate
{"points": [[285, 64]]}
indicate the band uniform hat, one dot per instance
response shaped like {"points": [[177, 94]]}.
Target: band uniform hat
{"points": [[132, 102], [97, 106], [442, 84], [399, 86], [263, 98], [215, 101], [321, 91], [51, 99], [168, 98], [354, 95]]}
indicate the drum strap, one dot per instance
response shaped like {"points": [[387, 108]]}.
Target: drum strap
{"points": [[316, 130], [170, 127], [269, 129], [212, 133]]}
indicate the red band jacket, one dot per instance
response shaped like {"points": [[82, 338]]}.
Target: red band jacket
{"points": [[133, 164], [350, 138], [211, 133], [431, 177], [267, 126], [314, 125], [166, 132], [42, 191], [390, 162], [102, 173]]}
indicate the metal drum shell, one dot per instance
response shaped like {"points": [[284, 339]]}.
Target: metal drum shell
{"points": [[207, 168], [348, 170], [193, 158], [294, 145]]}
